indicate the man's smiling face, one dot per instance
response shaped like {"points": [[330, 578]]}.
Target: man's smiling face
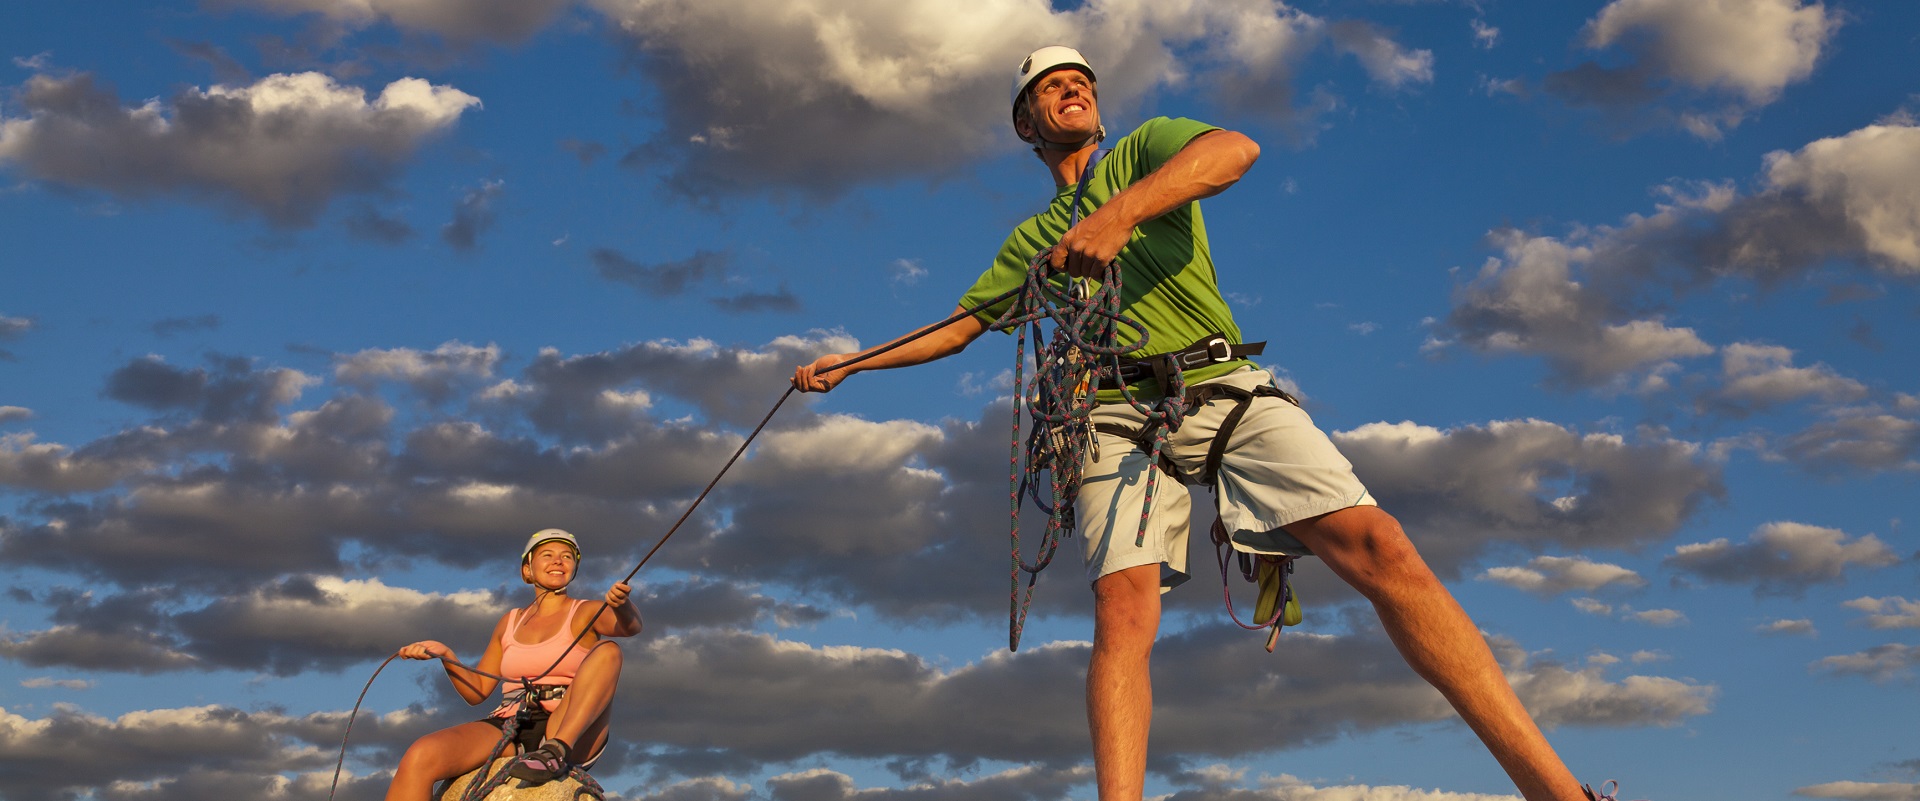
{"points": [[1062, 106]]}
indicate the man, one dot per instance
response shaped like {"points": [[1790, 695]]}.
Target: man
{"points": [[1284, 487]]}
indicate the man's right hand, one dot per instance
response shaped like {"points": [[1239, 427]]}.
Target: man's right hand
{"points": [[809, 378]]}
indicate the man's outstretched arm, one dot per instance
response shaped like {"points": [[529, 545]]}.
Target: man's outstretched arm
{"points": [[1208, 165], [937, 344]]}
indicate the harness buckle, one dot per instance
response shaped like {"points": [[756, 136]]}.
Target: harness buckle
{"points": [[1219, 349], [1211, 351]]}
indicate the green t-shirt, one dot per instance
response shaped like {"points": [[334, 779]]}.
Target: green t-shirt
{"points": [[1166, 272]]}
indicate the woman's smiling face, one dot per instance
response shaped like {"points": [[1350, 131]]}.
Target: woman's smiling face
{"points": [[552, 565]]}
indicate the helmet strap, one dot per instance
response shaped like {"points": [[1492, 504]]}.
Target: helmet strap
{"points": [[1041, 143]]}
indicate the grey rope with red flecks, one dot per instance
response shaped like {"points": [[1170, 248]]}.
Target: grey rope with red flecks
{"points": [[1059, 397]]}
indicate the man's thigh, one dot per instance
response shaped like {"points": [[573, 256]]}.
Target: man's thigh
{"points": [[1113, 499], [1277, 467]]}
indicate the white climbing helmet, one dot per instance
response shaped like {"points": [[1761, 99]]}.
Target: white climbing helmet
{"points": [[546, 535], [1045, 60], [1038, 64], [542, 537]]}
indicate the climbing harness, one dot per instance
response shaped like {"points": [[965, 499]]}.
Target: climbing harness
{"points": [[1276, 607]]}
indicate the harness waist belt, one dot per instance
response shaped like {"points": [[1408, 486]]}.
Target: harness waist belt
{"points": [[1211, 349], [540, 692]]}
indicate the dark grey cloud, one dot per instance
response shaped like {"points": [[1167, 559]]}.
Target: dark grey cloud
{"points": [[753, 700], [1892, 612], [1861, 791], [703, 788], [1551, 575], [1533, 301], [506, 21], [238, 474], [472, 216], [1880, 663], [1030, 783], [366, 223], [704, 603], [1856, 440], [72, 751], [1385, 60], [614, 445], [68, 646], [1590, 84], [47, 467], [448, 484], [173, 326], [283, 147], [226, 68], [1590, 304], [196, 783], [14, 327], [307, 623], [231, 391], [770, 700], [779, 300], [436, 375], [665, 279], [591, 395], [302, 624], [1782, 558], [1528, 482], [1756, 377], [587, 152], [1684, 67]]}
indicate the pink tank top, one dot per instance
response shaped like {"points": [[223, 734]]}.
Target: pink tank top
{"points": [[518, 659]]}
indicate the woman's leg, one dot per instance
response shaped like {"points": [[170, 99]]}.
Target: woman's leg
{"points": [[443, 754], [580, 720]]}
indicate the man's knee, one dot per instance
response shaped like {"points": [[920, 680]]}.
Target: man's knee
{"points": [[1374, 553], [1126, 605]]}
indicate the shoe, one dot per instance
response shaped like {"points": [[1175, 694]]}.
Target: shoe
{"points": [[536, 767], [1607, 790]]}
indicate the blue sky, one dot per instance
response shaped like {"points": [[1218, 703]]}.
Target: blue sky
{"points": [[311, 310]]}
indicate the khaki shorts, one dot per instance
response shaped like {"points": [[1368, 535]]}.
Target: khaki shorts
{"points": [[1278, 468]]}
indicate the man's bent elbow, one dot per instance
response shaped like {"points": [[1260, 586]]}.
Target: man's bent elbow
{"points": [[1243, 150]]}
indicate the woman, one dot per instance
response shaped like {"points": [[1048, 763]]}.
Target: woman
{"points": [[570, 725]]}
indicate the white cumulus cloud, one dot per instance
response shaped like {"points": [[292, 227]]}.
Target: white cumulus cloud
{"points": [[283, 146]]}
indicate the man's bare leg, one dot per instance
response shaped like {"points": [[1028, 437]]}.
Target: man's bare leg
{"points": [[1126, 618], [1366, 548]]}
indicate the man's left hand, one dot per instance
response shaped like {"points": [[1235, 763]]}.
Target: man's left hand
{"points": [[1087, 248]]}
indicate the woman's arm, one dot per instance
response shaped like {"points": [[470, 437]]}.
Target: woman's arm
{"points": [[625, 620], [472, 686]]}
